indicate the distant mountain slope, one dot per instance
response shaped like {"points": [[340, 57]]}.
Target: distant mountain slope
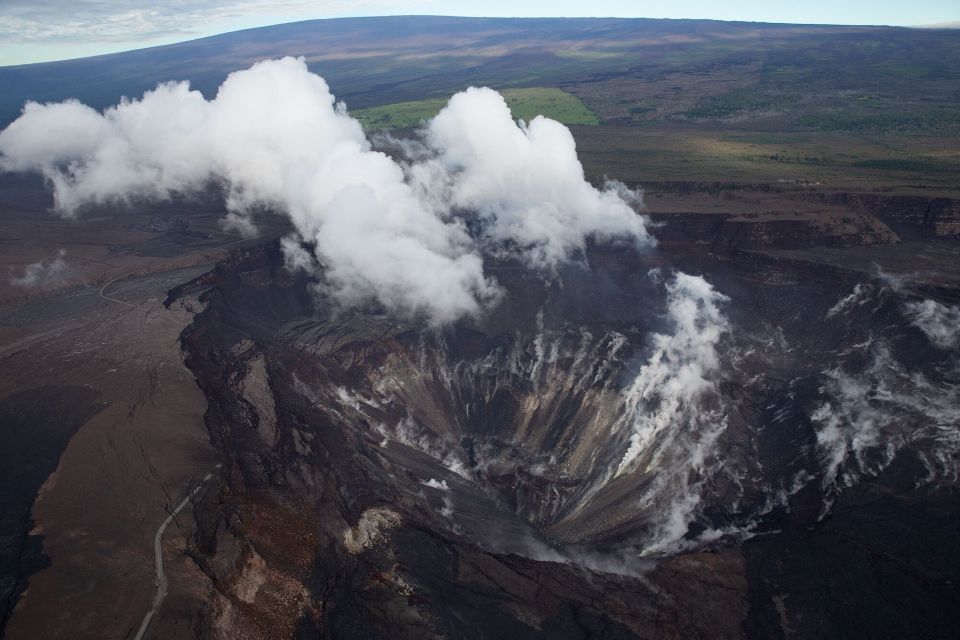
{"points": [[625, 70]]}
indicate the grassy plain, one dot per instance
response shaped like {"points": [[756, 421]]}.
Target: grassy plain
{"points": [[525, 103], [662, 152]]}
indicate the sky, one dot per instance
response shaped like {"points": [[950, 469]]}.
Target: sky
{"points": [[44, 30]]}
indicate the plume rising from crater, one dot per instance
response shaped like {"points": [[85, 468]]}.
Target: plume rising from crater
{"points": [[275, 138]]}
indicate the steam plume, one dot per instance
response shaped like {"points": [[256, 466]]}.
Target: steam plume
{"points": [[665, 392], [671, 410], [274, 137], [526, 180], [868, 416], [42, 274], [940, 323]]}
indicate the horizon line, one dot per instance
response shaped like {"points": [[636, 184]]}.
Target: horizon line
{"points": [[950, 25]]}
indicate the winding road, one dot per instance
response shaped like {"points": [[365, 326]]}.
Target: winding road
{"points": [[161, 578], [102, 292]]}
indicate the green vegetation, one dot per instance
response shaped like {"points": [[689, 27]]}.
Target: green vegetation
{"points": [[735, 101], [524, 103], [577, 54], [553, 103], [943, 120], [788, 158], [785, 72], [400, 115], [918, 165], [903, 69], [647, 155]]}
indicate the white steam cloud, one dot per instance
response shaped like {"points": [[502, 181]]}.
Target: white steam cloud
{"points": [[437, 484], [869, 416], [42, 274], [672, 411], [274, 137], [526, 180], [857, 297], [666, 391], [940, 323]]}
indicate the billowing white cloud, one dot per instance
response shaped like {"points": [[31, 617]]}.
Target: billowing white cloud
{"points": [[274, 137], [526, 180], [51, 133]]}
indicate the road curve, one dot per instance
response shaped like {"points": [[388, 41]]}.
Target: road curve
{"points": [[102, 292], [161, 578]]}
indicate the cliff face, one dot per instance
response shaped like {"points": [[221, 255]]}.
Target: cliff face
{"points": [[778, 235], [766, 216], [385, 481], [912, 217], [590, 459], [727, 233]]}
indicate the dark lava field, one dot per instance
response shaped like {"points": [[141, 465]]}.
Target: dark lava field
{"points": [[745, 424], [475, 473]]}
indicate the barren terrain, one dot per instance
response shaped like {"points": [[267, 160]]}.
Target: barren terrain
{"points": [[377, 478]]}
